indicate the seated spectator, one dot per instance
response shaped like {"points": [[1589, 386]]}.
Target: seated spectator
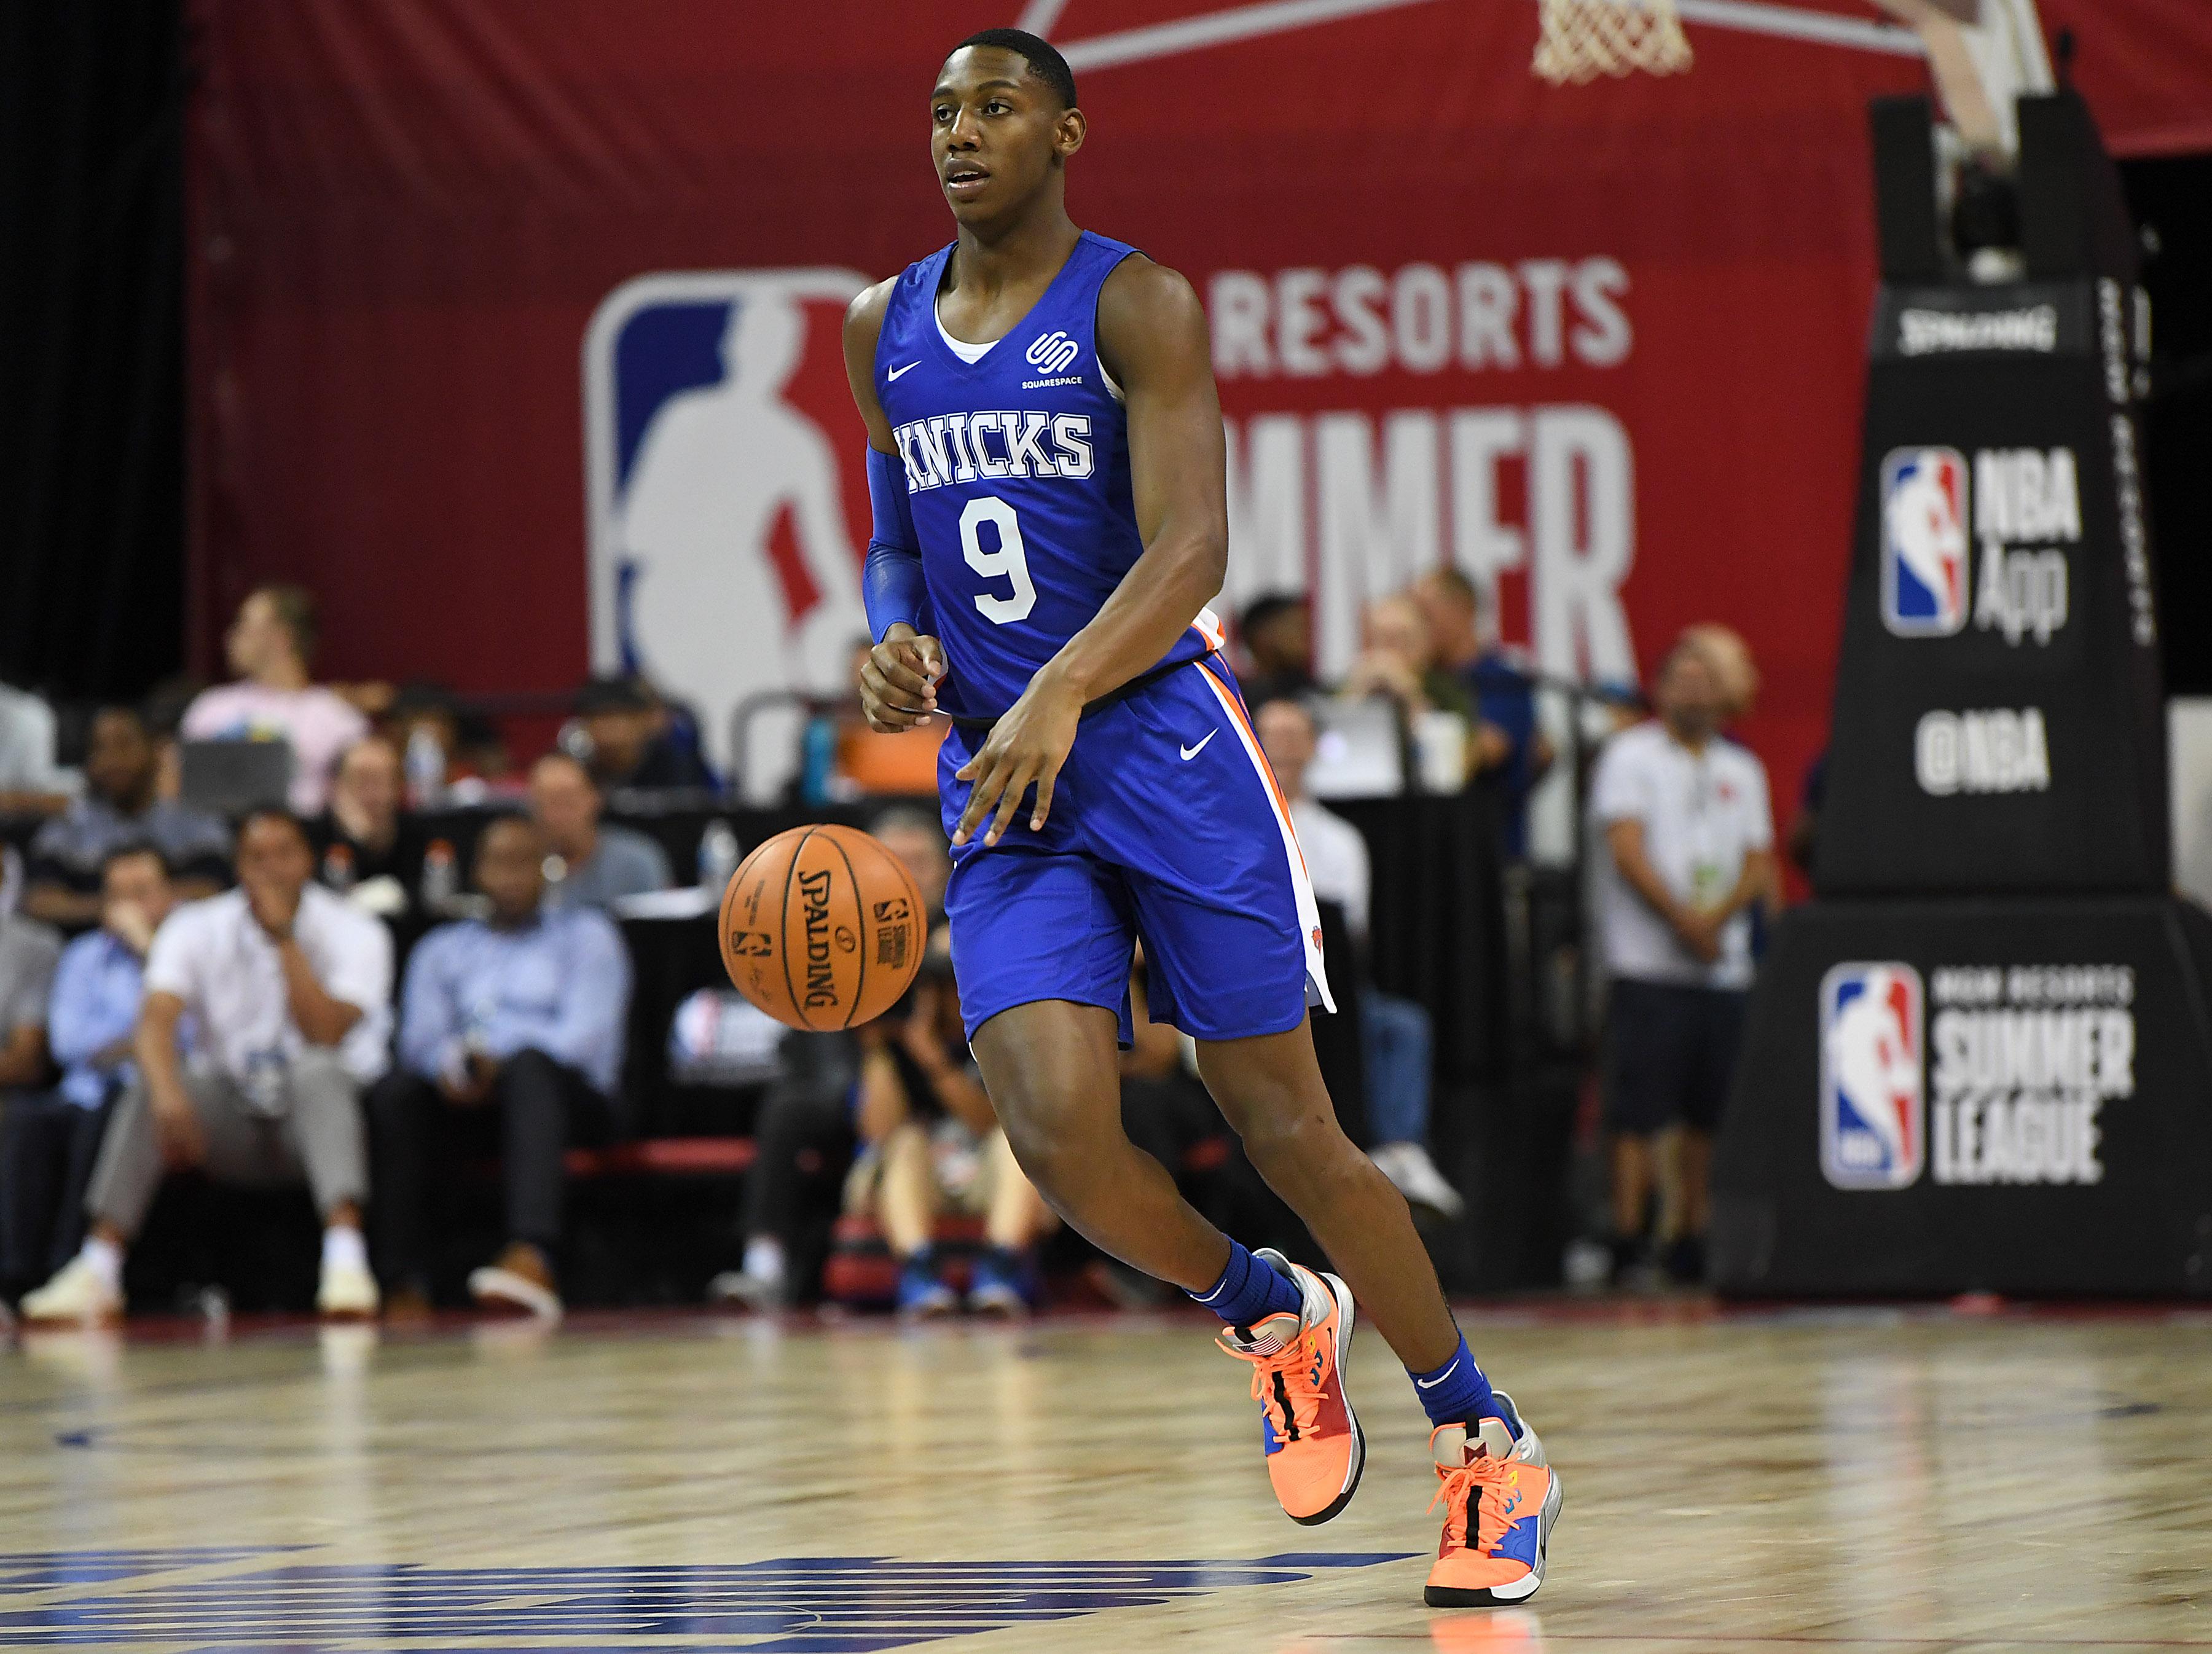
{"points": [[916, 836], [361, 849], [271, 647], [803, 1137], [1398, 659], [31, 782], [1506, 740], [48, 1141], [601, 863], [510, 1039], [633, 743], [28, 953], [1277, 634], [290, 992], [1395, 1035], [121, 806], [934, 1142], [472, 763]]}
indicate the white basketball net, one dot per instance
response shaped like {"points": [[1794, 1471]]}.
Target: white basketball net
{"points": [[1585, 38]]}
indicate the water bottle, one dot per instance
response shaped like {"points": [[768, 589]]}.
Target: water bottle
{"points": [[426, 769], [818, 760], [440, 882], [718, 856]]}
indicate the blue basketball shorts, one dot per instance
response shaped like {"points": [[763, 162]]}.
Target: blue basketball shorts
{"points": [[1167, 827]]}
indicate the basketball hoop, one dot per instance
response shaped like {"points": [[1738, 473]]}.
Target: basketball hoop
{"points": [[1585, 38]]}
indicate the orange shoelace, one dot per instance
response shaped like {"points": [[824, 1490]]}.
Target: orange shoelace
{"points": [[1459, 1486], [1298, 1365]]}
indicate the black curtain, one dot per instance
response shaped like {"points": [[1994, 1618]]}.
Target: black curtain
{"points": [[92, 475]]}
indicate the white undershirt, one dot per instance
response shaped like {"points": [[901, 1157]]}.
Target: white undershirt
{"points": [[968, 353], [972, 354]]}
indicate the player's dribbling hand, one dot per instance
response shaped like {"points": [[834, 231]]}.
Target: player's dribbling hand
{"points": [[898, 682], [1026, 747]]}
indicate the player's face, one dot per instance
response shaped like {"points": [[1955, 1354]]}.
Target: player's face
{"points": [[996, 132]]}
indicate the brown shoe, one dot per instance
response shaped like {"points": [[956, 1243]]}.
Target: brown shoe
{"points": [[518, 1279], [409, 1306]]}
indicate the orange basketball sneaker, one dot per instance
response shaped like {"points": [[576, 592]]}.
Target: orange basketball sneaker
{"points": [[1500, 1499], [1311, 1437]]}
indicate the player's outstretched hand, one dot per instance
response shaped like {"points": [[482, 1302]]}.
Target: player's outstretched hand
{"points": [[1027, 746], [898, 684]]}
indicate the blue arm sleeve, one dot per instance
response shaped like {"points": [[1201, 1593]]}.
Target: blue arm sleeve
{"points": [[890, 584]]}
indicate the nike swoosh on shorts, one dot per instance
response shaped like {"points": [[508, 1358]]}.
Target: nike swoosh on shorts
{"points": [[1190, 752]]}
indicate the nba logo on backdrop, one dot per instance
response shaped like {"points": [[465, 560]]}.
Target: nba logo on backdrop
{"points": [[1873, 1114], [1923, 542], [728, 502]]}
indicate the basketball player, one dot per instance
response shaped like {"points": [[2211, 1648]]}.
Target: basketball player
{"points": [[1046, 461]]}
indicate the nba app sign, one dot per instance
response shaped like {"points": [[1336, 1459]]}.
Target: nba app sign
{"points": [[728, 502], [2026, 509], [1873, 1117]]}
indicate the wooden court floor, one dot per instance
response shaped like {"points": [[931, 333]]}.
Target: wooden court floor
{"points": [[1859, 1480]]}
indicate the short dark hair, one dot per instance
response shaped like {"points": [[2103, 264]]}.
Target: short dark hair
{"points": [[507, 816], [1042, 56], [295, 611], [613, 694], [1300, 703], [272, 812], [1262, 610], [130, 849], [1455, 580]]}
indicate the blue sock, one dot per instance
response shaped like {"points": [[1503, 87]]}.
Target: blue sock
{"points": [[1457, 1393], [1250, 1291]]}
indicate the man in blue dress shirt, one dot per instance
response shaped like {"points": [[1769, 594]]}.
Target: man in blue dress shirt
{"points": [[510, 1040], [48, 1142]]}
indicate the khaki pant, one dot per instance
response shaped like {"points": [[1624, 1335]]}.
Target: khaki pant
{"points": [[318, 1139]]}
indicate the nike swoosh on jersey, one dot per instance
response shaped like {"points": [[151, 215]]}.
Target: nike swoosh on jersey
{"points": [[894, 372], [1190, 752]]}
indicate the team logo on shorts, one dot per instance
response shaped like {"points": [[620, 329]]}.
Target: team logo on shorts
{"points": [[1051, 351], [1923, 542], [1873, 1116]]}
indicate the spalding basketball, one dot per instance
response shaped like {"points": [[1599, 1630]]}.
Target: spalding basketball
{"points": [[822, 928]]}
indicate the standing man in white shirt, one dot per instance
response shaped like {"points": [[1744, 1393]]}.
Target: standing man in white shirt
{"points": [[1689, 841], [289, 989]]}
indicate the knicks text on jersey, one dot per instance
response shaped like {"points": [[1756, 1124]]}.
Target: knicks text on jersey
{"points": [[1873, 1114], [1017, 470]]}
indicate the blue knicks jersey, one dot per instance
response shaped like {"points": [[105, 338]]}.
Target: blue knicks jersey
{"points": [[1018, 470]]}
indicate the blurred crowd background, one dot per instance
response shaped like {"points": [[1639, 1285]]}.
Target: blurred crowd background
{"points": [[355, 949]]}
